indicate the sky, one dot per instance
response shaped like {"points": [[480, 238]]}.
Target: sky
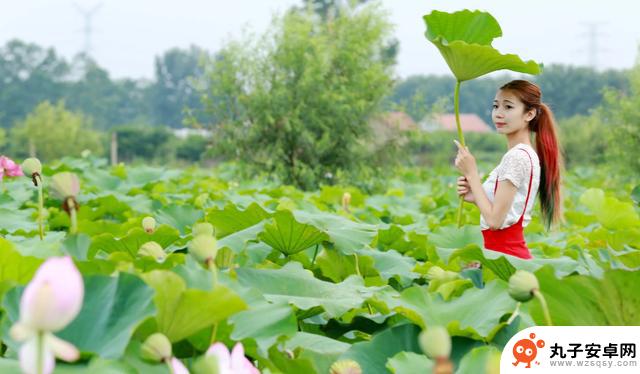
{"points": [[128, 34]]}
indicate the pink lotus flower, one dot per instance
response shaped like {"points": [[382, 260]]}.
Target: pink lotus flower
{"points": [[54, 296], [234, 362], [177, 367], [50, 302], [9, 168]]}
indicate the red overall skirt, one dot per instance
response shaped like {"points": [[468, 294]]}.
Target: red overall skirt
{"points": [[510, 240]]}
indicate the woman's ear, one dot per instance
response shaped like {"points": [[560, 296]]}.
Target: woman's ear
{"points": [[531, 114]]}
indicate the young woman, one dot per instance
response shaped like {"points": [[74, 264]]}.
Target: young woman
{"points": [[507, 196]]}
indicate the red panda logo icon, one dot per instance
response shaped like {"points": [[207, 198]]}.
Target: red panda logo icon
{"points": [[525, 350]]}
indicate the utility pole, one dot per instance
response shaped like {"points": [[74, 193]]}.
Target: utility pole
{"points": [[88, 26], [593, 34]]}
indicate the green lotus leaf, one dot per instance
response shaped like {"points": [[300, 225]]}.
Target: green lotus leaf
{"points": [[464, 40], [346, 235], [373, 355], [14, 267], [337, 266], [295, 285], [51, 245], [476, 360], [392, 264], [289, 236], [231, 219], [131, 243], [179, 216], [112, 308], [264, 322], [580, 300], [610, 212], [182, 312], [12, 220], [321, 351], [468, 315], [409, 362]]}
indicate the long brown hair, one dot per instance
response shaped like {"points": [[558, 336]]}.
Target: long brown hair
{"points": [[547, 146]]}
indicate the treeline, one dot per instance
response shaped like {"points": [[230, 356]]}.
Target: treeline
{"points": [[31, 74], [569, 90], [298, 107]]}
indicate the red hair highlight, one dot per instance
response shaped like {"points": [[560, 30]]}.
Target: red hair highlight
{"points": [[547, 147]]}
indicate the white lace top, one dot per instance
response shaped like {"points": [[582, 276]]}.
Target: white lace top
{"points": [[515, 166]]}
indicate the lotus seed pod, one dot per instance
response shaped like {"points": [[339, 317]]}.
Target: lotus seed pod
{"points": [[207, 364], [345, 367], [152, 249], [203, 228], [156, 347], [435, 342], [204, 248], [439, 274], [64, 185], [149, 224], [31, 166], [522, 284]]}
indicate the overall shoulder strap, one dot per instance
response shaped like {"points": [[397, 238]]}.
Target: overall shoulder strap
{"points": [[526, 201]]}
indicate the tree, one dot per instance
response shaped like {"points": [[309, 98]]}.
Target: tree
{"points": [[29, 75], [582, 140], [572, 90], [173, 90], [296, 103], [569, 90], [329, 9], [143, 142], [109, 103], [620, 123], [53, 132]]}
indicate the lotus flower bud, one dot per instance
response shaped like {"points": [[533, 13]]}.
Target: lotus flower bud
{"points": [[28, 358], [32, 166], [177, 367], [156, 347], [204, 248], [207, 364], [522, 284], [345, 367], [435, 342], [203, 228], [152, 249], [65, 184], [231, 362], [439, 274], [149, 224], [54, 296]]}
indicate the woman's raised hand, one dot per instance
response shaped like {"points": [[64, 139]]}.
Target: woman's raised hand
{"points": [[465, 162]]}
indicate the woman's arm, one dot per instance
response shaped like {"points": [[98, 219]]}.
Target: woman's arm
{"points": [[493, 213]]}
